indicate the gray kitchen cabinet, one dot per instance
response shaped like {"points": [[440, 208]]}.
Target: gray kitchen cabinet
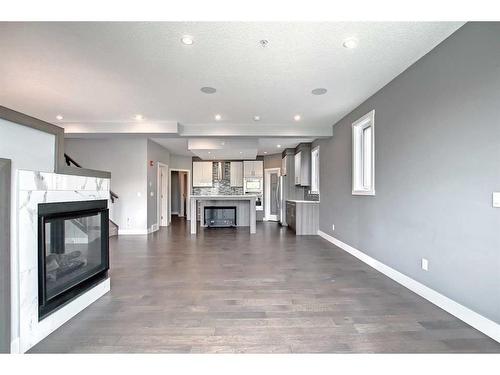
{"points": [[303, 217], [236, 173]]}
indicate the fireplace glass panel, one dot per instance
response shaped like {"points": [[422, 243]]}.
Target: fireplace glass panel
{"points": [[73, 251]]}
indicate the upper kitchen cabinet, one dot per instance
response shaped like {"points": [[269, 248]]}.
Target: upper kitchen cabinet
{"points": [[236, 173], [303, 165], [283, 165], [253, 168], [202, 174]]}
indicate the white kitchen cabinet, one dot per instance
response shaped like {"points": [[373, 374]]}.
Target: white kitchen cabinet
{"points": [[253, 168], [202, 174], [303, 167], [297, 162], [283, 165], [236, 173]]}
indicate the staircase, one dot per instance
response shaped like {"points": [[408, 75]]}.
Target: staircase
{"points": [[113, 227]]}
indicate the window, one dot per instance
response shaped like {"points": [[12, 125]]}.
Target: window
{"points": [[363, 155], [315, 170]]}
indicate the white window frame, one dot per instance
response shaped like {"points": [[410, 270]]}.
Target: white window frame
{"points": [[359, 167], [315, 170]]}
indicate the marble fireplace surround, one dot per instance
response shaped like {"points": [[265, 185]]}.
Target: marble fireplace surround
{"points": [[42, 187]]}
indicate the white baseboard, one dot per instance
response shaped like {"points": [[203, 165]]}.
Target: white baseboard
{"points": [[15, 346], [174, 213], [153, 228], [479, 322]]}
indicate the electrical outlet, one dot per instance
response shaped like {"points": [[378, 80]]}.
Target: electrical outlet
{"points": [[128, 222], [425, 264], [333, 227], [496, 199]]}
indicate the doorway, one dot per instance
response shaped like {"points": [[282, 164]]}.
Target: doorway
{"points": [[271, 197], [162, 189], [180, 193]]}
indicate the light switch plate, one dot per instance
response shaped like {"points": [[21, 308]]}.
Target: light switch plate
{"points": [[425, 264], [496, 199]]}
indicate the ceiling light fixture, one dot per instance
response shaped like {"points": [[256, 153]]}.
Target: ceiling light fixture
{"points": [[59, 117], [256, 118], [297, 117], [319, 91], [218, 117], [279, 146], [208, 90], [187, 40], [263, 43], [350, 43], [139, 117], [265, 152]]}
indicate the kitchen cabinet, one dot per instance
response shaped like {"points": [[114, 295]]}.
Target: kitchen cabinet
{"points": [[236, 173], [283, 165], [202, 174], [303, 166], [303, 217], [253, 168]]}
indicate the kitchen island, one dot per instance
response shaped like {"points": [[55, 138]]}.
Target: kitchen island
{"points": [[245, 209]]}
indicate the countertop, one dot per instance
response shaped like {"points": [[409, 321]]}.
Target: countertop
{"points": [[299, 201], [229, 197]]}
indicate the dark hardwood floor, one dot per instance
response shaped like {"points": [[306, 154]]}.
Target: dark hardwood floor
{"points": [[225, 290]]}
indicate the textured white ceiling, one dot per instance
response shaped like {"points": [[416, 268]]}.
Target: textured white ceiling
{"points": [[98, 73]]}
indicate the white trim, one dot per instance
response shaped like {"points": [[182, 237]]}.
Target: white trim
{"points": [[188, 198], [153, 228], [159, 193], [267, 192], [367, 120], [15, 346], [317, 170], [485, 325], [174, 213]]}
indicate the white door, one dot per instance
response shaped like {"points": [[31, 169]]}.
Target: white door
{"points": [[271, 199], [163, 194]]}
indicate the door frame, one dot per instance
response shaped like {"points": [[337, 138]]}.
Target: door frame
{"points": [[188, 198], [159, 221], [267, 194]]}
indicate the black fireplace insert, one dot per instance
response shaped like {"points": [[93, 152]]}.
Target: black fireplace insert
{"points": [[220, 216], [73, 251]]}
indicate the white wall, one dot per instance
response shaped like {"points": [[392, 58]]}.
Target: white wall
{"points": [[126, 159], [28, 149]]}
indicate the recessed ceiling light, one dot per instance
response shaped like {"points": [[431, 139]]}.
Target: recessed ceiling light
{"points": [[279, 146], [297, 117], [350, 43], [59, 117], [209, 152], [139, 117], [265, 152], [208, 90], [263, 43], [241, 152], [218, 117], [256, 118], [319, 91], [187, 40]]}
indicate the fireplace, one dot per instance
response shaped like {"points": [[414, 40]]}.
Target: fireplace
{"points": [[220, 216], [73, 251]]}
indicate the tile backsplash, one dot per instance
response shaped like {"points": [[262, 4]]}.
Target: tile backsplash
{"points": [[220, 187]]}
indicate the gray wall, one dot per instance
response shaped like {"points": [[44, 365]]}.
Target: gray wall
{"points": [[5, 300], [437, 139], [126, 159], [155, 153]]}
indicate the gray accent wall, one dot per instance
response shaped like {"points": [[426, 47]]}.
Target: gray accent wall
{"points": [[437, 162], [5, 285]]}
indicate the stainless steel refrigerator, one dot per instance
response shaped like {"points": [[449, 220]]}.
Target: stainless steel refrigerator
{"points": [[283, 196]]}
